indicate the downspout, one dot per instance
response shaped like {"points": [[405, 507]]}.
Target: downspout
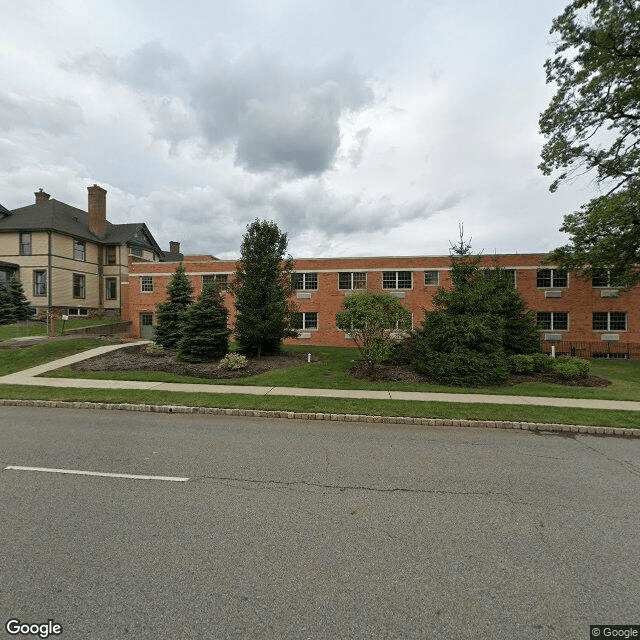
{"points": [[49, 278]]}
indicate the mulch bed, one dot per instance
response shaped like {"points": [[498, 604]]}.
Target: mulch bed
{"points": [[135, 359], [404, 373]]}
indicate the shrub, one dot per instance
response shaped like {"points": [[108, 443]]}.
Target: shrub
{"points": [[572, 368], [154, 349], [542, 362], [520, 364], [401, 351], [233, 361]]}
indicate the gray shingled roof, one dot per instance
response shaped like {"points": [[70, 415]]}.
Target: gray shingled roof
{"points": [[58, 216], [4, 209]]}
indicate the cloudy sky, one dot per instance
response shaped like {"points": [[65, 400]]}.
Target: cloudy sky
{"points": [[362, 127]]}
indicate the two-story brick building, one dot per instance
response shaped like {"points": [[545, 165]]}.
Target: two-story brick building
{"points": [[567, 308]]}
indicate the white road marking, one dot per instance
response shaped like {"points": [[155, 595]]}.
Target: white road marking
{"points": [[97, 473]]}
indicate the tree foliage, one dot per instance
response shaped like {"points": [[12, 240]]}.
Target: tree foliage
{"points": [[205, 334], [592, 125], [172, 313], [13, 303], [372, 319], [263, 290], [474, 326]]}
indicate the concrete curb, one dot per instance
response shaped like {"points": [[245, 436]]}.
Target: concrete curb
{"points": [[333, 417]]}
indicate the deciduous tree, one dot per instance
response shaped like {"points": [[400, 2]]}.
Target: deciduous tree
{"points": [[592, 126], [372, 320]]}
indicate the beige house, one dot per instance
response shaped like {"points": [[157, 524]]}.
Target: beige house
{"points": [[72, 261]]}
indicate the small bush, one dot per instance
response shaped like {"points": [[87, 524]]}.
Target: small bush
{"points": [[520, 364], [572, 368], [154, 349], [400, 352], [233, 362], [542, 363]]}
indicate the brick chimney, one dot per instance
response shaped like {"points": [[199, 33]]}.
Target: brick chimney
{"points": [[41, 196], [97, 211], [174, 247]]}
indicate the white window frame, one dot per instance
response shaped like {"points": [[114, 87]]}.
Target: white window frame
{"points": [[552, 319], [350, 276], [221, 280], [303, 278], [146, 284], [386, 274], [302, 315], [608, 320], [432, 284], [562, 275]]}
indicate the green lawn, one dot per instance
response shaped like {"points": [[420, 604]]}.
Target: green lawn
{"points": [[625, 375], [17, 359], [332, 373], [37, 328]]}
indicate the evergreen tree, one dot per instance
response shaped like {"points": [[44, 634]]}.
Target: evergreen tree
{"points": [[205, 333], [474, 327], [172, 313], [6, 305], [263, 290], [21, 307]]}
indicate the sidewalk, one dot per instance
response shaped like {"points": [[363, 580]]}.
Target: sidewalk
{"points": [[29, 377]]}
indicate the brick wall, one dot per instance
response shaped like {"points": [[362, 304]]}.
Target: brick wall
{"points": [[579, 299]]}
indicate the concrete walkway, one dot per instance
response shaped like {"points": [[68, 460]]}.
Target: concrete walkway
{"points": [[29, 377]]}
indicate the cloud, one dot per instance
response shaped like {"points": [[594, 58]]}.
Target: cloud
{"points": [[54, 115], [277, 114]]}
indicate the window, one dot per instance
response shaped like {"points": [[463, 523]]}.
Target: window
{"points": [[552, 321], [552, 278], [75, 311], [78, 250], [397, 280], [609, 321], [352, 280], [431, 278], [136, 251], [39, 283], [111, 288], [146, 283], [306, 320], [221, 280], [25, 244], [601, 278], [78, 286], [510, 274], [305, 281], [110, 255]]}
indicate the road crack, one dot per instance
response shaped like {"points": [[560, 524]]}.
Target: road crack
{"points": [[338, 487]]}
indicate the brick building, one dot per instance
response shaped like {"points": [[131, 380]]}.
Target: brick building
{"points": [[567, 307]]}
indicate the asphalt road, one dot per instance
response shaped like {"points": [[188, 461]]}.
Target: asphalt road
{"points": [[290, 529]]}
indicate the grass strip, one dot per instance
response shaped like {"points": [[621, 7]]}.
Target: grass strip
{"points": [[333, 373], [18, 359], [445, 410]]}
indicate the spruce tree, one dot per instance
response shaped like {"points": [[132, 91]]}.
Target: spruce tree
{"points": [[205, 333], [475, 326], [263, 290], [172, 313], [21, 307], [6, 305]]}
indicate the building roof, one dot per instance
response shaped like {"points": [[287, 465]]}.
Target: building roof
{"points": [[53, 215], [4, 210]]}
